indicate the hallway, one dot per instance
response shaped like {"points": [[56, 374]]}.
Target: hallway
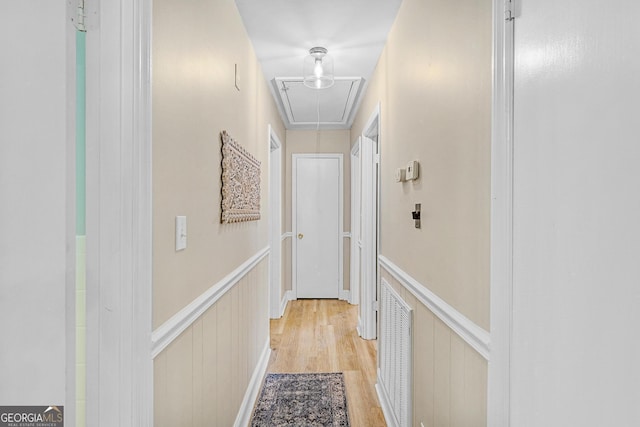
{"points": [[517, 119], [321, 336]]}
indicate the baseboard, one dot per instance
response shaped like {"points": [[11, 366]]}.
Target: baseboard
{"points": [[385, 404], [246, 408], [345, 295], [288, 296]]}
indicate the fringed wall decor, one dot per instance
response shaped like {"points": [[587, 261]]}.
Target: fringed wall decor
{"points": [[240, 182]]}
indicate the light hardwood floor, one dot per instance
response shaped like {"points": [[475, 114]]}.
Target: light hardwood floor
{"points": [[321, 336]]}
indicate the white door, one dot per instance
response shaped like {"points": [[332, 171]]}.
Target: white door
{"points": [[576, 205], [37, 201], [317, 221]]}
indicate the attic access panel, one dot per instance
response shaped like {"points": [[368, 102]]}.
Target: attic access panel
{"points": [[305, 107]]}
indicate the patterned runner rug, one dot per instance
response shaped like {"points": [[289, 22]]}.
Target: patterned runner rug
{"points": [[302, 400]]}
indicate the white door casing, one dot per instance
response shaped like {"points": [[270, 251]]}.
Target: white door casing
{"points": [[369, 230], [275, 223], [356, 243], [368, 251], [499, 366], [119, 214], [317, 225]]}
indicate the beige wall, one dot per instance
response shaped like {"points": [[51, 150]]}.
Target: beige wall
{"points": [[331, 141], [196, 45], [433, 82]]}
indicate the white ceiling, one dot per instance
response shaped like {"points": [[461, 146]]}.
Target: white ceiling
{"points": [[283, 31]]}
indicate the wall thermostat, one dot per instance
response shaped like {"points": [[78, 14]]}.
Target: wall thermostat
{"points": [[400, 175], [413, 170]]}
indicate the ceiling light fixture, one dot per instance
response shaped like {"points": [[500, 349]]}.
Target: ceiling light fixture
{"points": [[318, 69]]}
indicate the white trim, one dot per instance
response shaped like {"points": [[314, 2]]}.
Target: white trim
{"points": [[288, 296], [370, 210], [345, 295], [119, 213], [273, 139], [70, 235], [275, 221], [287, 235], [179, 322], [385, 404], [368, 256], [374, 119], [294, 248], [354, 255], [250, 396], [355, 150], [471, 333], [502, 146], [142, 399]]}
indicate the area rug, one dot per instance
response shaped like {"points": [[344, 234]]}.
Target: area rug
{"points": [[302, 400]]}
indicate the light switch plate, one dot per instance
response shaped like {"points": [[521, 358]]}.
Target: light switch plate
{"points": [[181, 233]]}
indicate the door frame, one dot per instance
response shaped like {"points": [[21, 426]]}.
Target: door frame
{"points": [[294, 157], [275, 223], [370, 171], [502, 175], [119, 214], [356, 243]]}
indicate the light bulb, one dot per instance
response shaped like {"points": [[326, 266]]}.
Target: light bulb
{"points": [[317, 69]]}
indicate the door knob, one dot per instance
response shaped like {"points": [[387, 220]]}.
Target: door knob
{"points": [[300, 235]]}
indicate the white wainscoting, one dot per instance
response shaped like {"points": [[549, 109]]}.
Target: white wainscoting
{"points": [[471, 333], [179, 322]]}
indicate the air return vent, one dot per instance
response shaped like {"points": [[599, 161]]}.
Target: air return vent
{"points": [[304, 108], [395, 349]]}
